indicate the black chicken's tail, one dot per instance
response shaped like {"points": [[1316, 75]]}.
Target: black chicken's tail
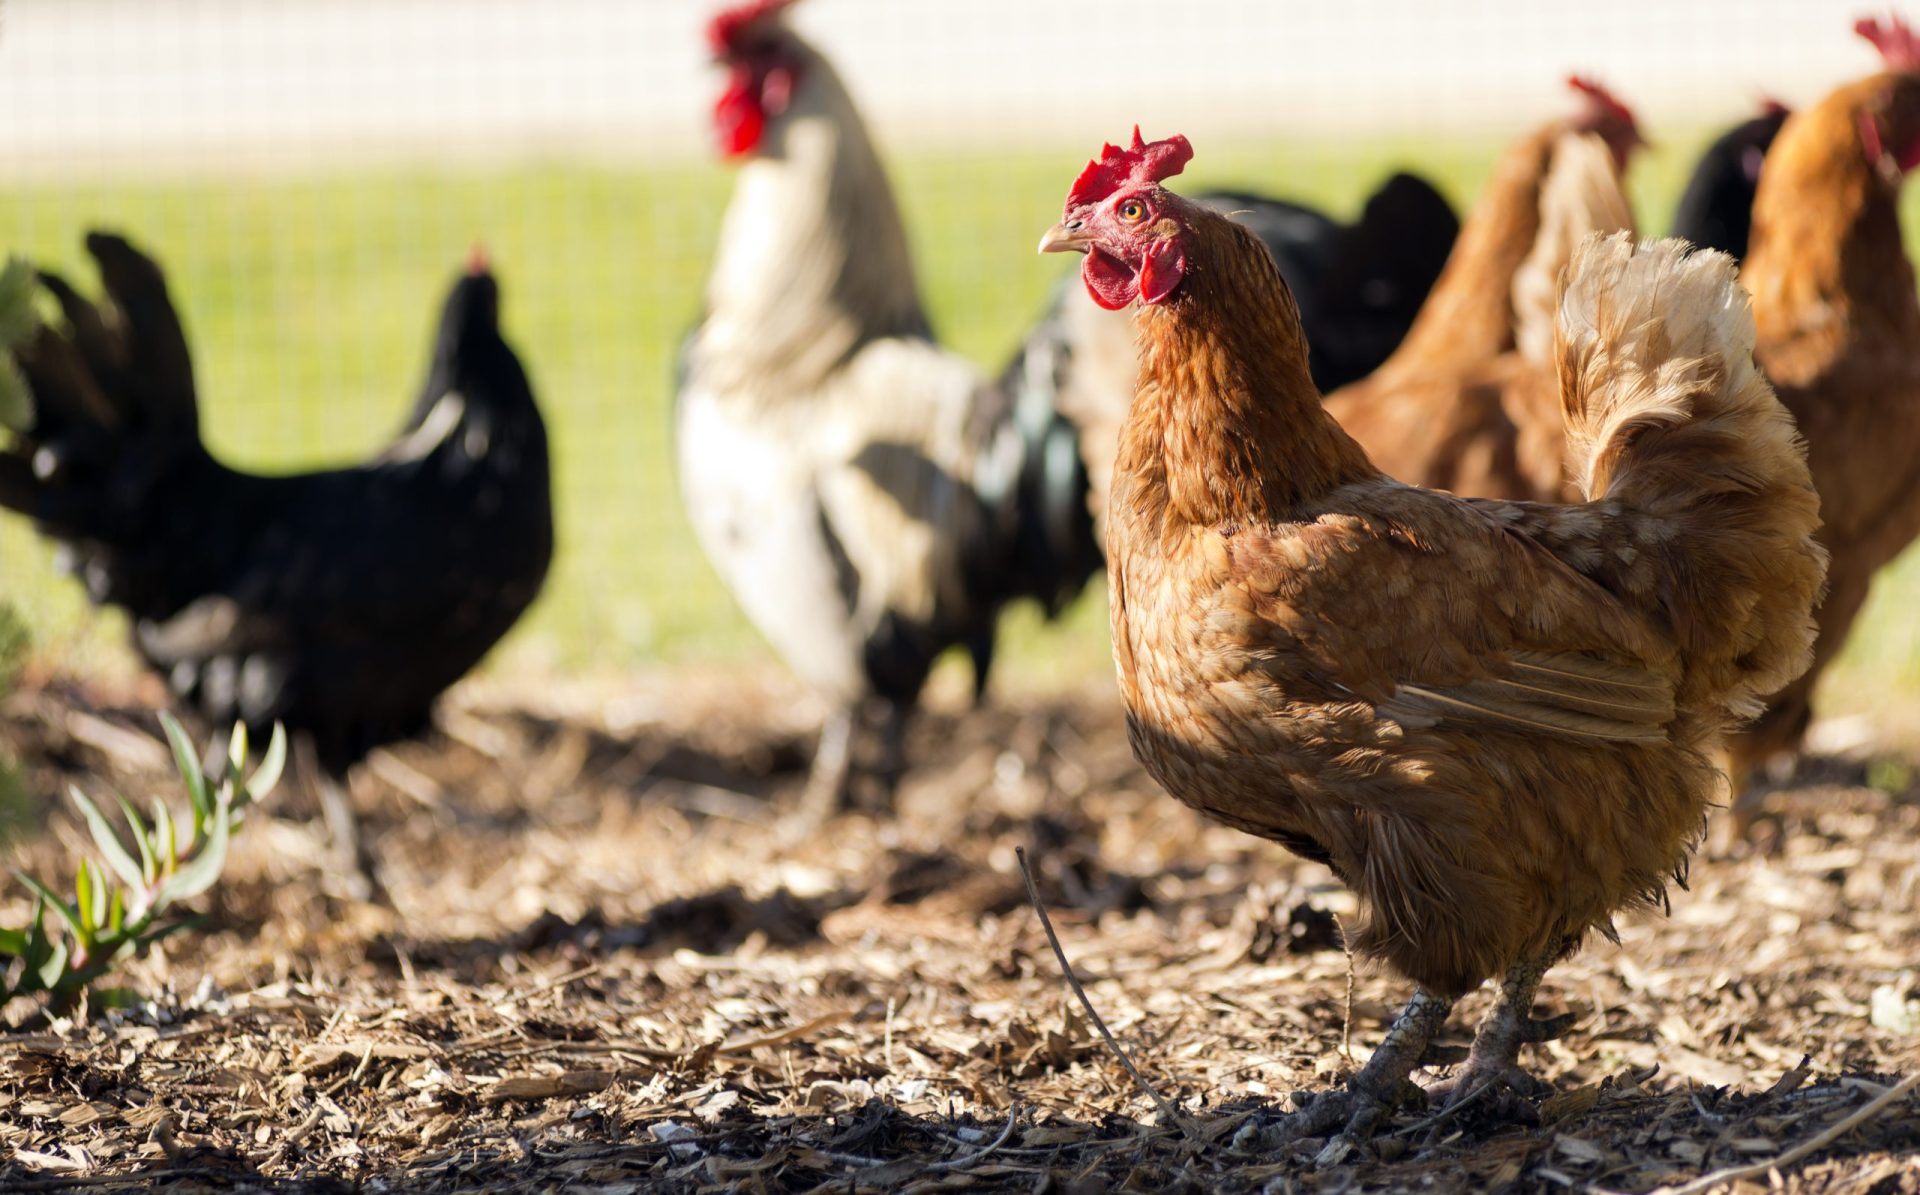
{"points": [[111, 407], [1032, 479]]}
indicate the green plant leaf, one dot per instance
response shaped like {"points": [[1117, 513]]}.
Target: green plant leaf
{"points": [[67, 912], [267, 775], [185, 759], [166, 837], [17, 316], [17, 322], [90, 914], [149, 866], [237, 753], [13, 942], [107, 839], [97, 900], [46, 956], [16, 398], [199, 873]]}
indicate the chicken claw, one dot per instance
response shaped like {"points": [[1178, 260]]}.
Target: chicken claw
{"points": [[1493, 1064], [1352, 1115]]}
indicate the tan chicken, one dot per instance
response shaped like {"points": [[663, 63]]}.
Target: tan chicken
{"points": [[1491, 718], [1839, 336], [1469, 401]]}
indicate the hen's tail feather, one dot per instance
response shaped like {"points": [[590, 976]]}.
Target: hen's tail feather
{"points": [[1580, 196], [1669, 418]]}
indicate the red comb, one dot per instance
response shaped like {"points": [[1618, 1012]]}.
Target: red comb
{"points": [[1596, 91], [1895, 40], [1773, 106], [477, 259], [1141, 163], [727, 26]]}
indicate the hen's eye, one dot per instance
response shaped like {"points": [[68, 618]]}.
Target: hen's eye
{"points": [[1133, 211]]}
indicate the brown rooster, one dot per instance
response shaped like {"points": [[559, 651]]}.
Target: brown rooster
{"points": [[1839, 336], [1469, 402], [1490, 718]]}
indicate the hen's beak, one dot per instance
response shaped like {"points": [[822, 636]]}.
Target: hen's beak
{"points": [[1068, 236]]}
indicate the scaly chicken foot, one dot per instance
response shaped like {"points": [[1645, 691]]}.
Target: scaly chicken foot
{"points": [[350, 867], [1352, 1115], [1493, 1075], [829, 782]]}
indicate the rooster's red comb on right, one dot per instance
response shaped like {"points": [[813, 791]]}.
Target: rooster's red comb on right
{"points": [[1597, 91], [1141, 163], [727, 26], [1895, 40]]}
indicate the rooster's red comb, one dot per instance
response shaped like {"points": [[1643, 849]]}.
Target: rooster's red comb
{"points": [[1895, 40], [1602, 98], [726, 28], [1139, 164]]}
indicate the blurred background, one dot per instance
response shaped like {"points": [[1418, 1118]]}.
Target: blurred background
{"points": [[312, 173]]}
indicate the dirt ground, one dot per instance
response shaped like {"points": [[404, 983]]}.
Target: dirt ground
{"points": [[618, 961]]}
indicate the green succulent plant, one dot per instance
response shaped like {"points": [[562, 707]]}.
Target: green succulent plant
{"points": [[18, 319], [121, 894]]}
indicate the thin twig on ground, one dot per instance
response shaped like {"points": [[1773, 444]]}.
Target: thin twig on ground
{"points": [[985, 1151], [1066, 968], [1821, 1140]]}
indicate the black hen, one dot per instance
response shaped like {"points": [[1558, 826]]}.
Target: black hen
{"points": [[1358, 285], [1716, 210], [341, 603]]}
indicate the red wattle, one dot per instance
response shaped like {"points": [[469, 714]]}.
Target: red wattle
{"points": [[1163, 270], [1109, 280], [738, 119]]}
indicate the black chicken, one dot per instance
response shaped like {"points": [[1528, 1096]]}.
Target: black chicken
{"points": [[1716, 209], [1359, 285], [341, 603]]}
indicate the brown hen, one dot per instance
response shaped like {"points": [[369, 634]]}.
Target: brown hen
{"points": [[1468, 402], [1839, 337], [1491, 718]]}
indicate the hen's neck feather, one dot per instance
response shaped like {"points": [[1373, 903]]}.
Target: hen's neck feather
{"points": [[1226, 427], [813, 259], [1828, 264]]}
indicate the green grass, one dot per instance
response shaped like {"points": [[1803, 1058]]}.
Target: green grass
{"points": [[310, 302]]}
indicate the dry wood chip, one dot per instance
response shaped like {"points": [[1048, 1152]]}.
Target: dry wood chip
{"points": [[319, 1057], [547, 1087], [81, 1115], [35, 1160]]}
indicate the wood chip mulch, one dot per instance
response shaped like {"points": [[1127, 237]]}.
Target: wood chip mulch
{"points": [[617, 960]]}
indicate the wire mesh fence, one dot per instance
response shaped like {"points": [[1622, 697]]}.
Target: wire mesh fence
{"points": [[312, 173]]}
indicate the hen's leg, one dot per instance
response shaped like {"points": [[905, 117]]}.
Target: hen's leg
{"points": [[892, 764], [347, 869], [1493, 1064], [350, 868], [828, 783], [1353, 1114]]}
